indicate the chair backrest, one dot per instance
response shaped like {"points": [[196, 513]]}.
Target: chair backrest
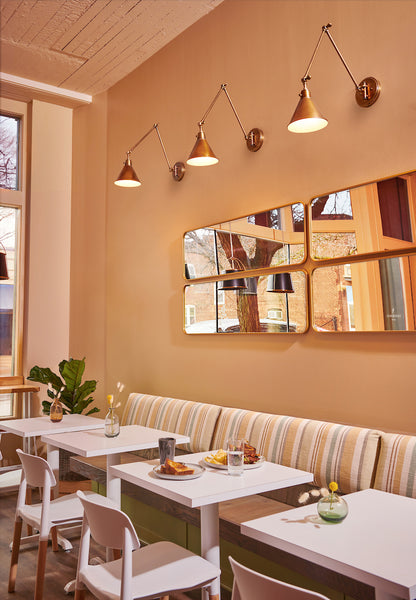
{"points": [[108, 525], [37, 471], [250, 585]]}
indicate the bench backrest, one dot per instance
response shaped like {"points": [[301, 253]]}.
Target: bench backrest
{"points": [[195, 419], [396, 467], [331, 451]]}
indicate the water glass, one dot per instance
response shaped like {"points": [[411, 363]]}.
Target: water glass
{"points": [[235, 456], [166, 449]]}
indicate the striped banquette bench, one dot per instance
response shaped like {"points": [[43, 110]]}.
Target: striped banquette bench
{"points": [[331, 451], [355, 457]]}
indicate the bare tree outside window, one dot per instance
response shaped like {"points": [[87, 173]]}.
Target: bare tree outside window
{"points": [[9, 152]]}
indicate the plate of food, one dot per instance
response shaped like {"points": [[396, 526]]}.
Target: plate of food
{"points": [[178, 470], [218, 460]]}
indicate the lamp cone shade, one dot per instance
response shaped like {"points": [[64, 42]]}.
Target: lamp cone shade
{"points": [[232, 284], [202, 154], [280, 283], [306, 117], [127, 177], [4, 274]]}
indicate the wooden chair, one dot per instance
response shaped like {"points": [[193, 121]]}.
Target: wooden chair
{"points": [[152, 571], [250, 585], [45, 516]]}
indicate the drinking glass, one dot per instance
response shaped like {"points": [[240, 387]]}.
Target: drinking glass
{"points": [[235, 456], [166, 449]]}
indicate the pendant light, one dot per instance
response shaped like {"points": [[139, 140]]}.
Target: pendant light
{"points": [[128, 177], [202, 154], [307, 117], [280, 283], [237, 266]]}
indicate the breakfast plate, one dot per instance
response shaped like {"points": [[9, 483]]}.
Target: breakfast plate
{"points": [[198, 471], [221, 466]]}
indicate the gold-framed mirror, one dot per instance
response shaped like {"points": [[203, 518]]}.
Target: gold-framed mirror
{"points": [[375, 217], [271, 238], [368, 295], [275, 303]]}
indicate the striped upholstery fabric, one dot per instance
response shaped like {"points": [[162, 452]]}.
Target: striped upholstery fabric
{"points": [[137, 409], [396, 468], [332, 452], [195, 419]]}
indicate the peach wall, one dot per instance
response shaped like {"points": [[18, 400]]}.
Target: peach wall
{"points": [[49, 228], [88, 276], [261, 49]]}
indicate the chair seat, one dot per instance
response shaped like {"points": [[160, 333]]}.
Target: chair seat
{"points": [[158, 569], [64, 509]]}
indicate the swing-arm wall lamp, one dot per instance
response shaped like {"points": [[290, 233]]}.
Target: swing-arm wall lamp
{"points": [[202, 155], [307, 117], [128, 177]]}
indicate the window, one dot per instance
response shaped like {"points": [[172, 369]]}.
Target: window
{"points": [[9, 152], [190, 314], [12, 210]]}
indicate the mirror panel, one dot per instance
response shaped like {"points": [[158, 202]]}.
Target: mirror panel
{"points": [[374, 295], [374, 217], [269, 239], [255, 309]]}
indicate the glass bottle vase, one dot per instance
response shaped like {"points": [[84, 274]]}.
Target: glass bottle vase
{"points": [[332, 508], [111, 424], [56, 411]]}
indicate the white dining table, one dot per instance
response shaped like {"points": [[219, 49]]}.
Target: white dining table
{"points": [[33, 427], [208, 490], [95, 443], [375, 544]]}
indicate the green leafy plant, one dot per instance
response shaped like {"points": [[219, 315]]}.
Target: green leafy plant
{"points": [[75, 395]]}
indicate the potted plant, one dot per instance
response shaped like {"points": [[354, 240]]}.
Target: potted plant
{"points": [[74, 395]]}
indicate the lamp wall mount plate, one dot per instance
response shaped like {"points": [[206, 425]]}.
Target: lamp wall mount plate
{"points": [[368, 92], [178, 171], [255, 139]]}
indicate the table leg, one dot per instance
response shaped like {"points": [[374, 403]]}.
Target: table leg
{"points": [[210, 544], [53, 459], [113, 490], [113, 483]]}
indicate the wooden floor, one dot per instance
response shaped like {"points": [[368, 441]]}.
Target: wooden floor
{"points": [[60, 566]]}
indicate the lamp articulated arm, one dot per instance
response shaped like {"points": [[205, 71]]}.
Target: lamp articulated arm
{"points": [[367, 91], [128, 177], [254, 138]]}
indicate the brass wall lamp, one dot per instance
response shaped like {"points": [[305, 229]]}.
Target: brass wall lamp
{"points": [[307, 117], [202, 154], [128, 177]]}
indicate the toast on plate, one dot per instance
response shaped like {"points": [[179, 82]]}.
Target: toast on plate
{"points": [[175, 468]]}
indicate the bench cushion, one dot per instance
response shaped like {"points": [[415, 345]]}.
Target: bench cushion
{"points": [[331, 451], [396, 468], [195, 419]]}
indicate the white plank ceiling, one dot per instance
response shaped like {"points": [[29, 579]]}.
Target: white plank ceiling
{"points": [[88, 45]]}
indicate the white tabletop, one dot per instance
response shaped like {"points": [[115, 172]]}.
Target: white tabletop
{"points": [[214, 485], [36, 426], [95, 443], [375, 544]]}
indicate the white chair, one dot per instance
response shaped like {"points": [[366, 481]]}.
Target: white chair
{"points": [[250, 585], [45, 516], [152, 571]]}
